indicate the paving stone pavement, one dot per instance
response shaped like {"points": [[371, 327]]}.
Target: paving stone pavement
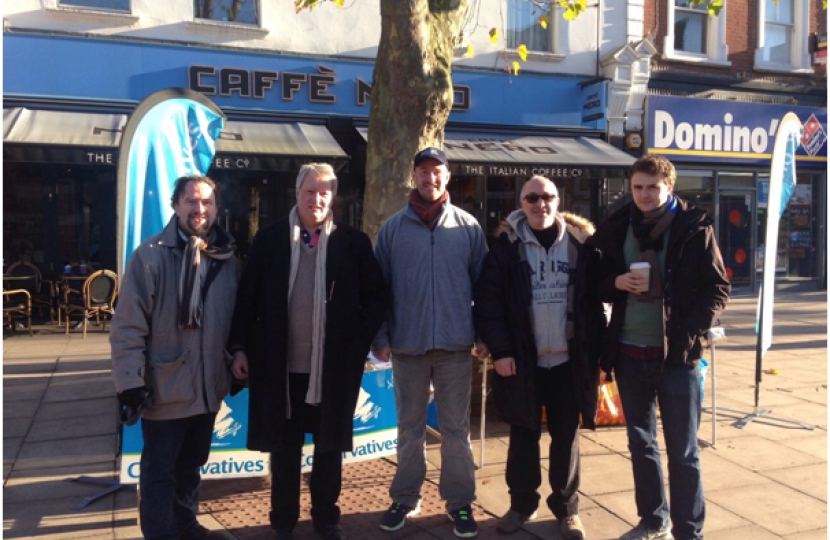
{"points": [[768, 480]]}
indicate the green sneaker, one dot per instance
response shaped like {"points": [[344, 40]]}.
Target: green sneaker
{"points": [[465, 524], [395, 516]]}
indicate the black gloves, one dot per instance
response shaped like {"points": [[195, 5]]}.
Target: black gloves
{"points": [[133, 397], [132, 401]]}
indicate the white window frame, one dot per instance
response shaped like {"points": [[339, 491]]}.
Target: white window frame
{"points": [[238, 30], [554, 54], [92, 15], [68, 5], [799, 40], [257, 24], [717, 52]]}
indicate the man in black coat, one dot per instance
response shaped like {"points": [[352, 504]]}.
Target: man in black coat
{"points": [[310, 301], [653, 339], [539, 324]]}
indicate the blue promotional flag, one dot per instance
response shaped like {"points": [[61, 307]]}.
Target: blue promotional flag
{"points": [[170, 134], [781, 187]]}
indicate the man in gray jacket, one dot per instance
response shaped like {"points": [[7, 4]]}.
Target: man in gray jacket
{"points": [[168, 339], [431, 253]]}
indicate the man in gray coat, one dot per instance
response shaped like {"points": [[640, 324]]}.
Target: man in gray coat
{"points": [[168, 339], [431, 253]]}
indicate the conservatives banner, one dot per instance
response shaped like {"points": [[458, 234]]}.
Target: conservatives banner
{"points": [[375, 435], [710, 130]]}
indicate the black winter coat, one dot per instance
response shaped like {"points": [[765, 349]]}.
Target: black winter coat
{"points": [[502, 313], [695, 284], [353, 316]]}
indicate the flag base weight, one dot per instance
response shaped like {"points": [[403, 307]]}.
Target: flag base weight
{"points": [[758, 413]]}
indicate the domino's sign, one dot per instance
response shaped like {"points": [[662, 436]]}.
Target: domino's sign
{"points": [[710, 130]]}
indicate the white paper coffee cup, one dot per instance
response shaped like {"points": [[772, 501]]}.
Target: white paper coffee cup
{"points": [[642, 268]]}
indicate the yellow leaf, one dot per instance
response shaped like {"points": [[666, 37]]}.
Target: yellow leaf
{"points": [[544, 20], [569, 14], [339, 3], [469, 50], [515, 68], [522, 50], [494, 35], [563, 3]]}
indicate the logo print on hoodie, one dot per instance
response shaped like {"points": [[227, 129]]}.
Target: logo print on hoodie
{"points": [[556, 267]]}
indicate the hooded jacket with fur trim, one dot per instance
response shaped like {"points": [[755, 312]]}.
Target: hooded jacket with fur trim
{"points": [[504, 317]]}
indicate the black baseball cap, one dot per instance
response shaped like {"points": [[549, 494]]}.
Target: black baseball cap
{"points": [[430, 152]]}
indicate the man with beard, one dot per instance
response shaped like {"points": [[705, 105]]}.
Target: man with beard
{"points": [[431, 254], [539, 321], [168, 354], [653, 339], [311, 299]]}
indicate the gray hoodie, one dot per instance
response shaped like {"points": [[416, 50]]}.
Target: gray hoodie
{"points": [[551, 286], [430, 275]]}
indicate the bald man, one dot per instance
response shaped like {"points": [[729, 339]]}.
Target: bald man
{"points": [[525, 312]]}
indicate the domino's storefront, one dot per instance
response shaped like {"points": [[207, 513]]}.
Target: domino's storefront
{"points": [[722, 152], [63, 124]]}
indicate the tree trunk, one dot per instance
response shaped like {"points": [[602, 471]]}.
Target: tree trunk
{"points": [[411, 97]]}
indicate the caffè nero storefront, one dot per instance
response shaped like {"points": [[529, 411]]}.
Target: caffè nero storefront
{"points": [[63, 123]]}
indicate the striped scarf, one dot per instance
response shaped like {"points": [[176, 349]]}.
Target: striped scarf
{"points": [[192, 274]]}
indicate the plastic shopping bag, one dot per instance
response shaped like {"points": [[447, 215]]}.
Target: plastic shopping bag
{"points": [[609, 406]]}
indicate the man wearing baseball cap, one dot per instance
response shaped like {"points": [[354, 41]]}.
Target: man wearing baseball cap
{"points": [[431, 253]]}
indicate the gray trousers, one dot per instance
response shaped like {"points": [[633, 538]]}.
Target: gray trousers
{"points": [[451, 375]]}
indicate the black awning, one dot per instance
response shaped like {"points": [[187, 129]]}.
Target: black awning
{"points": [[40, 136], [496, 154], [282, 146]]}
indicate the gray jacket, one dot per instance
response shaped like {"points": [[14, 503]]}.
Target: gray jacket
{"points": [[430, 276], [188, 374]]}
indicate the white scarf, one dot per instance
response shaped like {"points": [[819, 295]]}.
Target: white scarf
{"points": [[318, 328]]}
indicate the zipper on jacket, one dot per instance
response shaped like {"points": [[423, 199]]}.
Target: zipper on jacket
{"points": [[432, 268], [287, 394]]}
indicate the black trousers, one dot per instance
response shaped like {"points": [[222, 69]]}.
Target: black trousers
{"points": [[286, 465], [556, 392]]}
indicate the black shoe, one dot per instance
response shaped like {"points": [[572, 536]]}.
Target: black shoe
{"points": [[330, 532], [395, 516], [282, 534], [465, 524], [199, 532]]}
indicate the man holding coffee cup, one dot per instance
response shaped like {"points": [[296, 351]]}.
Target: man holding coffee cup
{"points": [[663, 272]]}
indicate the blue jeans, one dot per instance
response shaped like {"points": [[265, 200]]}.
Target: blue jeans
{"points": [[169, 480], [451, 374], [642, 383]]}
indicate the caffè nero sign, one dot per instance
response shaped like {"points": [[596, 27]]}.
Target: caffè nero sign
{"points": [[285, 85]]}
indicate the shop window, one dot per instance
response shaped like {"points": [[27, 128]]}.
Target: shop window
{"points": [[694, 35], [782, 36], [103, 5], [523, 26], [800, 229], [56, 216], [696, 187], [613, 196], [232, 11]]}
